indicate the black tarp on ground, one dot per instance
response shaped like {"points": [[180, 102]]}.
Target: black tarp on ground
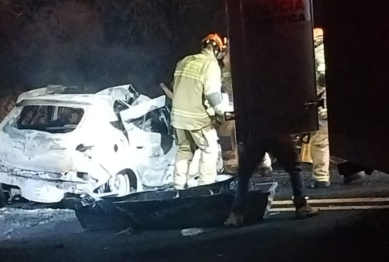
{"points": [[206, 206]]}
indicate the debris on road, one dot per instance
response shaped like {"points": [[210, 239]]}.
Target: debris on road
{"points": [[13, 220], [9, 231], [188, 232], [128, 231]]}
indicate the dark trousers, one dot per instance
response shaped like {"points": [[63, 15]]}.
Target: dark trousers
{"points": [[282, 148]]}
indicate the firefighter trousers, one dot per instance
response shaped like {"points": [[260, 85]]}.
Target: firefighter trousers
{"points": [[320, 153], [187, 140], [282, 148]]}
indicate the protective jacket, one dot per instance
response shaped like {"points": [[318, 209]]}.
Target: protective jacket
{"points": [[196, 90]]}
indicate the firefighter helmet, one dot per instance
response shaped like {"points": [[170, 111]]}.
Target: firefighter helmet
{"points": [[218, 43]]}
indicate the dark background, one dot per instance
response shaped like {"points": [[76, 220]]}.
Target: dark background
{"points": [[100, 42]]}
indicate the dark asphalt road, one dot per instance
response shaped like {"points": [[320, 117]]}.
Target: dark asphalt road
{"points": [[332, 236], [350, 235], [376, 185]]}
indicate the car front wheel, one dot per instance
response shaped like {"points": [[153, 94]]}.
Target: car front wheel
{"points": [[121, 184]]}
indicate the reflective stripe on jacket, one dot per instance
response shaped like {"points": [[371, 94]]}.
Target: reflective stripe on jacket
{"points": [[195, 77]]}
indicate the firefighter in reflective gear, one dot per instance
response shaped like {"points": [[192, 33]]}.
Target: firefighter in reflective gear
{"points": [[196, 102], [320, 151]]}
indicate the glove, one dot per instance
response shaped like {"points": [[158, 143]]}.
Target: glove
{"points": [[211, 111], [219, 118], [219, 110], [322, 113], [216, 111], [305, 137]]}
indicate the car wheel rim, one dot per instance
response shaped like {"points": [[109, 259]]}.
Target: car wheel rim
{"points": [[120, 184]]}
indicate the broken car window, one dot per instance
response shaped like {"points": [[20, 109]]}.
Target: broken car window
{"points": [[52, 119], [119, 106], [152, 122], [155, 121]]}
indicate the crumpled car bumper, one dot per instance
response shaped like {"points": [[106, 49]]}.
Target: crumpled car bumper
{"points": [[43, 190]]}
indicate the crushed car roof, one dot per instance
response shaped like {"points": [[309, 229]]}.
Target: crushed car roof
{"points": [[69, 99], [58, 93]]}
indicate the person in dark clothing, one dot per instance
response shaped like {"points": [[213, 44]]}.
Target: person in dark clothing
{"points": [[282, 148], [352, 172]]}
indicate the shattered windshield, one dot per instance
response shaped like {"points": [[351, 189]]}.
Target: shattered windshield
{"points": [[47, 118]]}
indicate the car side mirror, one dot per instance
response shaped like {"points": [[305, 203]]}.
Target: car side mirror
{"points": [[82, 148]]}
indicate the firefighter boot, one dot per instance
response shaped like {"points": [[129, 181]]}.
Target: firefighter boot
{"points": [[234, 220], [303, 209], [321, 184]]}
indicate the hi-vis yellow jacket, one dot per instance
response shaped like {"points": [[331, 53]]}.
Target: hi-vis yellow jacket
{"points": [[197, 78]]}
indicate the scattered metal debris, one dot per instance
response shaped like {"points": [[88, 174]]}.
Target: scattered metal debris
{"points": [[188, 232], [9, 231], [128, 231]]}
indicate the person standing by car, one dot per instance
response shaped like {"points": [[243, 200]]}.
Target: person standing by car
{"points": [[252, 150], [196, 97], [320, 149]]}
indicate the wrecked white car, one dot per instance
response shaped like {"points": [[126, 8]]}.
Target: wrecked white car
{"points": [[115, 141]]}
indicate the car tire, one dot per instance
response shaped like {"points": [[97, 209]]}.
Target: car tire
{"points": [[3, 200], [122, 183]]}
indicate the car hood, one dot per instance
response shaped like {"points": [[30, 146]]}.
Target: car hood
{"points": [[36, 150]]}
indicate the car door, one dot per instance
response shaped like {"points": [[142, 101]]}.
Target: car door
{"points": [[161, 150], [153, 162], [272, 67]]}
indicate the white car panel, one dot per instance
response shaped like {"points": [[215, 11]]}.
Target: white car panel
{"points": [[119, 132]]}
